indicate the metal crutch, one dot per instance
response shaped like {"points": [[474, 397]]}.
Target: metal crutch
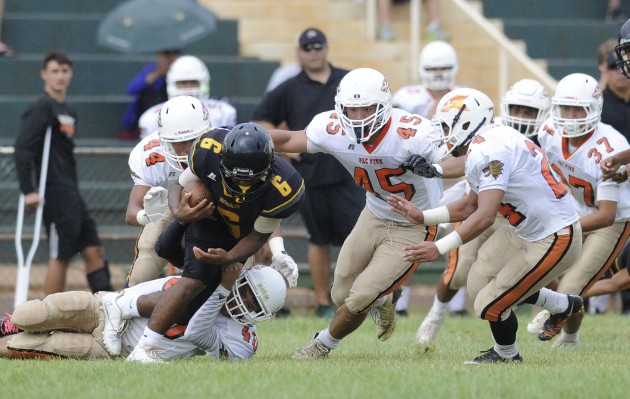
{"points": [[24, 268]]}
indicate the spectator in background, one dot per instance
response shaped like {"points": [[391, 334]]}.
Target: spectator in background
{"points": [[5, 51], [148, 88], [281, 74], [433, 30], [69, 225], [332, 202], [189, 76], [616, 108], [602, 59], [614, 12]]}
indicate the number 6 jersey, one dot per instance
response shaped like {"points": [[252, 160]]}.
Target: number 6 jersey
{"points": [[279, 200]]}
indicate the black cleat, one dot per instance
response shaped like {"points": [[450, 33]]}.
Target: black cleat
{"points": [[491, 356]]}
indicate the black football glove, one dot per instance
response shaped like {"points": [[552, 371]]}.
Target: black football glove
{"points": [[417, 165]]}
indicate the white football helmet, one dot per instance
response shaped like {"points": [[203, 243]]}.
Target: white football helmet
{"points": [[269, 289], [180, 119], [579, 90], [188, 68], [434, 55], [363, 87], [527, 93], [465, 112]]}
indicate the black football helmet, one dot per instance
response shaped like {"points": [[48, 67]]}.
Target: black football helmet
{"points": [[623, 49], [247, 157]]}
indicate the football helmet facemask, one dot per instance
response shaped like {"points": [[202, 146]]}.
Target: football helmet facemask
{"points": [[180, 119], [525, 93], [188, 68], [247, 155], [577, 90], [437, 65], [268, 288], [460, 115], [363, 87]]}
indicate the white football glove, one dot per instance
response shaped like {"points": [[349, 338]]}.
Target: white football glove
{"points": [[285, 264], [155, 203]]}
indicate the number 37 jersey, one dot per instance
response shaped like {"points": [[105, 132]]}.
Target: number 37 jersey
{"points": [[376, 168], [280, 199]]}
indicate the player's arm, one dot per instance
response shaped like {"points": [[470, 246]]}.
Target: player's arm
{"points": [[616, 283], [180, 207], [604, 216], [289, 141], [135, 204], [246, 247], [201, 329], [451, 167], [610, 165]]}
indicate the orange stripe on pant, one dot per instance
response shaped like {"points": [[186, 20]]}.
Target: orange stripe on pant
{"points": [[554, 255]]}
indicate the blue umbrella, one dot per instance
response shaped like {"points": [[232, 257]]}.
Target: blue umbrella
{"points": [[149, 26]]}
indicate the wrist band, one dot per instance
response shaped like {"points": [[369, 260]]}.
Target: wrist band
{"points": [[142, 217], [438, 168], [436, 216], [276, 245], [448, 243]]}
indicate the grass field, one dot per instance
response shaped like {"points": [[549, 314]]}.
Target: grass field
{"points": [[362, 367]]}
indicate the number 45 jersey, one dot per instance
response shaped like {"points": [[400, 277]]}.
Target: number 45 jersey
{"points": [[148, 166], [376, 168], [536, 202], [580, 169], [280, 198]]}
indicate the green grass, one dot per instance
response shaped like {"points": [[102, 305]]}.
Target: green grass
{"points": [[362, 367]]}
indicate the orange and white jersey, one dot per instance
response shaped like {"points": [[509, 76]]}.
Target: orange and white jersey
{"points": [[417, 99], [148, 166], [536, 202], [580, 171], [221, 114], [377, 168], [208, 332]]}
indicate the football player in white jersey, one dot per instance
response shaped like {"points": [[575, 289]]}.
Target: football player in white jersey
{"points": [[223, 327], [155, 164], [510, 174], [371, 140], [189, 76], [523, 107], [575, 141], [437, 67]]}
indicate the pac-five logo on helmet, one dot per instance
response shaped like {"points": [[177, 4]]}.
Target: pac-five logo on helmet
{"points": [[494, 168], [385, 87], [597, 93], [456, 102]]}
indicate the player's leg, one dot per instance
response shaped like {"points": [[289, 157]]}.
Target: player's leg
{"points": [[72, 311], [147, 264], [58, 345]]}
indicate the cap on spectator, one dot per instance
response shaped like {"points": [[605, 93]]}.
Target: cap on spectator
{"points": [[611, 61], [311, 36]]}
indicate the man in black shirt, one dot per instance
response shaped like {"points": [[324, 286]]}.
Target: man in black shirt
{"points": [[616, 108], [69, 225], [333, 202]]}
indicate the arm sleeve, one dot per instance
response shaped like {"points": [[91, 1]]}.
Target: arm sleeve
{"points": [[28, 146], [201, 329]]}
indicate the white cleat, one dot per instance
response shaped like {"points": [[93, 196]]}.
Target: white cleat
{"points": [[429, 328], [536, 325], [114, 325]]}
